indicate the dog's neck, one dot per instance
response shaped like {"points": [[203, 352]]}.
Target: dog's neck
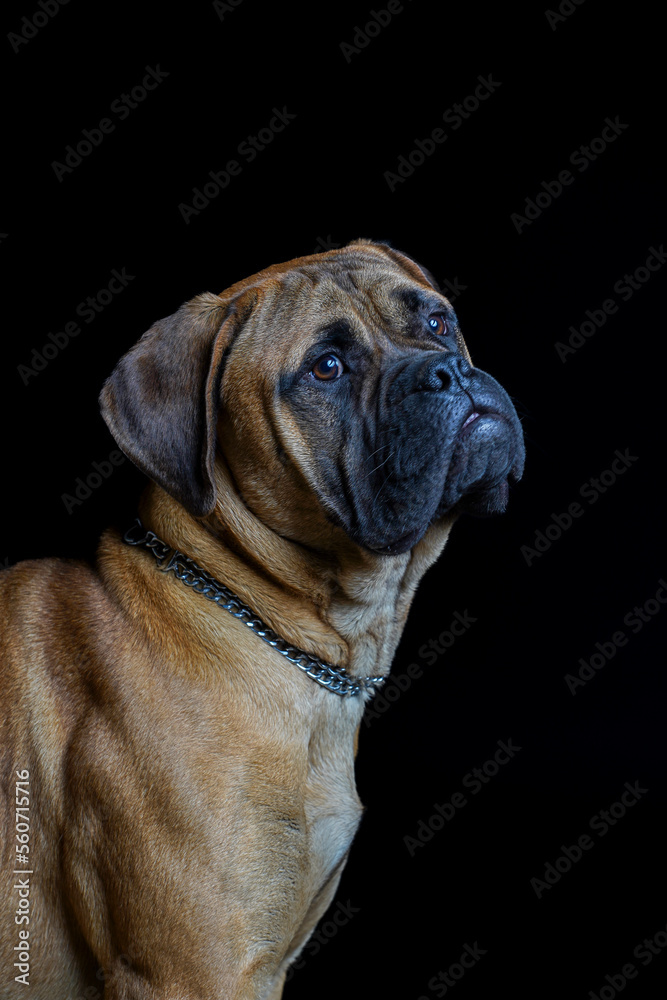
{"points": [[349, 610]]}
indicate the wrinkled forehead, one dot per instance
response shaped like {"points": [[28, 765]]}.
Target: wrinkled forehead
{"points": [[370, 291]]}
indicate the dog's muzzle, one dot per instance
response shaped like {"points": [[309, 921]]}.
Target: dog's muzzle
{"points": [[457, 444]]}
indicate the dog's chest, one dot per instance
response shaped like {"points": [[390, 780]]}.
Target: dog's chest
{"points": [[332, 807], [333, 812]]}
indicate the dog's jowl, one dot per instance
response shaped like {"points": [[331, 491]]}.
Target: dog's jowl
{"points": [[180, 718]]}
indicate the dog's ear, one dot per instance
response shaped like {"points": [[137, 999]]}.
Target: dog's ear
{"points": [[161, 401]]}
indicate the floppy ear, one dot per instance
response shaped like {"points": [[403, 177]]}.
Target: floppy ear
{"points": [[161, 401]]}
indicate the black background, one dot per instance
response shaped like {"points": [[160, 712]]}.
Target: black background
{"points": [[322, 179]]}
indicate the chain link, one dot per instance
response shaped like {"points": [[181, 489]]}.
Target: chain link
{"points": [[335, 679]]}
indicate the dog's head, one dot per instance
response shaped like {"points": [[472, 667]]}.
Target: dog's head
{"points": [[338, 391]]}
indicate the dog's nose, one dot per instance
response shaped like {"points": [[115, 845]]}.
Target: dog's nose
{"points": [[442, 373]]}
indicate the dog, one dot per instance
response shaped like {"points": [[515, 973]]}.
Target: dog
{"points": [[180, 720]]}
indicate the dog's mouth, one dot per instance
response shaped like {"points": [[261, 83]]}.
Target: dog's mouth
{"points": [[479, 411], [444, 453], [469, 419], [486, 456]]}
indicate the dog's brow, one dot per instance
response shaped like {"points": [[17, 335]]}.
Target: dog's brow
{"points": [[410, 298], [416, 301], [339, 325], [337, 333], [335, 336]]}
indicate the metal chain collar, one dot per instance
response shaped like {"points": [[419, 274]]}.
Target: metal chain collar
{"points": [[334, 679]]}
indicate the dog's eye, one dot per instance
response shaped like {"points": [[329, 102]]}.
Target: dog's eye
{"points": [[328, 368], [437, 324]]}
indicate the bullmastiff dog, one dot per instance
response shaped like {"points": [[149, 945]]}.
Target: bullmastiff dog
{"points": [[180, 719]]}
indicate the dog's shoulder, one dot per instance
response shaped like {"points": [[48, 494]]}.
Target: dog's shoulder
{"points": [[43, 591], [51, 617]]}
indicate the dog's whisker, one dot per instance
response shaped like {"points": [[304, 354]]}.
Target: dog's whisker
{"points": [[386, 480], [387, 445], [380, 465]]}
